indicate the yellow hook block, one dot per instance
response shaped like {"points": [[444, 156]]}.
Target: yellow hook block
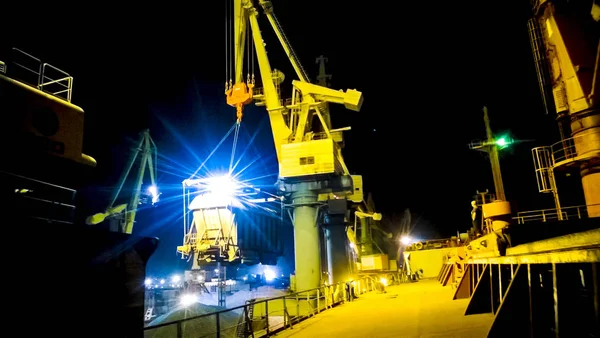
{"points": [[239, 95]]}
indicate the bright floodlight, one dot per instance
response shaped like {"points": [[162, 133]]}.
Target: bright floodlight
{"points": [[176, 279], [215, 192], [189, 299], [153, 191], [148, 281], [501, 142], [405, 240], [269, 275], [222, 185]]}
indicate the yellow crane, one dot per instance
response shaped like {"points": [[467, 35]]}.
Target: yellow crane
{"points": [[566, 49], [310, 158], [125, 213]]}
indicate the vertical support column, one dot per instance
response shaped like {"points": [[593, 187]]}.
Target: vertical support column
{"points": [[195, 261], [323, 253], [337, 260], [306, 238], [221, 284], [500, 290], [494, 158], [492, 307], [530, 291], [555, 295], [585, 128], [590, 181], [366, 246], [596, 289]]}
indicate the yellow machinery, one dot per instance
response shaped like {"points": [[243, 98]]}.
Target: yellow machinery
{"points": [[230, 221], [543, 279], [489, 238], [124, 214], [42, 168], [49, 122], [369, 251], [213, 231], [566, 49], [376, 249], [310, 159], [369, 220]]}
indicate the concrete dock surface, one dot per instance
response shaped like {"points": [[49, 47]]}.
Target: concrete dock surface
{"points": [[420, 309]]}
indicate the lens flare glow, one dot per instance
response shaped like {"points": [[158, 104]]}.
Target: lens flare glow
{"points": [[405, 240], [224, 186], [269, 275], [189, 299], [153, 191]]}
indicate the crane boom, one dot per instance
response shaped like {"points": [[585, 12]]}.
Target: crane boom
{"points": [[268, 8], [244, 13], [290, 119], [240, 31], [146, 150]]}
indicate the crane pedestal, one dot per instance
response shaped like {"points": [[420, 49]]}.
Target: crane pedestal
{"points": [[590, 180], [586, 152], [337, 258], [306, 206], [334, 224], [306, 238]]}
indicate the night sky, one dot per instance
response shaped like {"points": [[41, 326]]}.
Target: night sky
{"points": [[425, 68]]}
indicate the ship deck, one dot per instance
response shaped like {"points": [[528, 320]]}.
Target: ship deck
{"points": [[420, 309]]}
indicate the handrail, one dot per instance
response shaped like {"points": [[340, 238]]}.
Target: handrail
{"points": [[64, 82], [325, 292], [573, 212], [571, 148]]}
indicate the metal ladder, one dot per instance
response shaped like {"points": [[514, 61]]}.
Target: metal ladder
{"points": [[149, 313]]}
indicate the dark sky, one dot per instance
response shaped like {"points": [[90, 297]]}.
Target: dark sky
{"points": [[425, 68]]}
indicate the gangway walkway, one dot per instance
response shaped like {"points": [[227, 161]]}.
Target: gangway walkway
{"points": [[420, 309]]}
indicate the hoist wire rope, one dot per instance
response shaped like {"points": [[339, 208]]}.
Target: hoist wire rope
{"points": [[214, 150], [248, 51], [251, 139], [251, 143], [252, 55], [234, 146], [231, 55], [226, 42]]}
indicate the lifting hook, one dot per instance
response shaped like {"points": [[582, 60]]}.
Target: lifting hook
{"points": [[239, 95]]}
